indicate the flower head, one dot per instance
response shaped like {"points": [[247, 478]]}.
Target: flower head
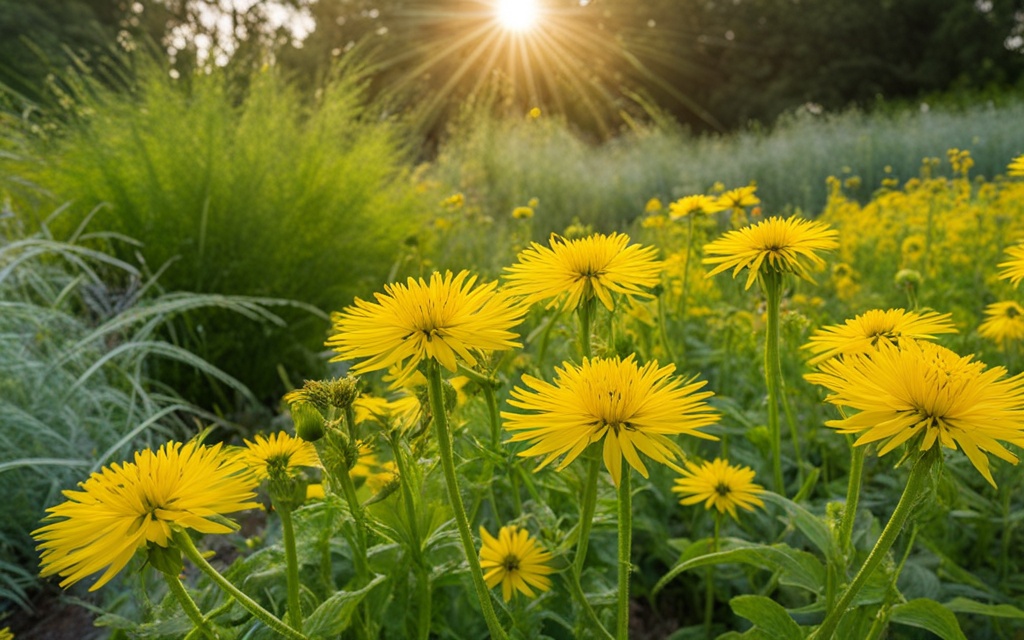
{"points": [[633, 408], [125, 507], [515, 561], [522, 213], [1016, 168], [444, 319], [578, 270], [774, 244], [927, 394], [738, 198], [1004, 322], [279, 456], [869, 329], [1013, 269], [695, 205], [720, 485]]}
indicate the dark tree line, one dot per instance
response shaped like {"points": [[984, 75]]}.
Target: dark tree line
{"points": [[713, 64]]}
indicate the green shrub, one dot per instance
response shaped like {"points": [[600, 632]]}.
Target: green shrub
{"points": [[261, 192]]}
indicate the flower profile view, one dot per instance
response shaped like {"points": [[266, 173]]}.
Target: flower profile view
{"points": [[443, 319], [571, 272], [633, 408], [1016, 168], [1013, 269], [719, 485], [1004, 322], [515, 561], [776, 244], [694, 205], [739, 198], [927, 395], [279, 455], [874, 327], [127, 506]]}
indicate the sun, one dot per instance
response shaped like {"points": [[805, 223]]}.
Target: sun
{"points": [[517, 15]]}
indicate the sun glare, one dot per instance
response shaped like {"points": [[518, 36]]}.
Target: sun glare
{"points": [[517, 15]]}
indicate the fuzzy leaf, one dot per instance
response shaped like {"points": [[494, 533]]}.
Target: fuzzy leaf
{"points": [[929, 615], [768, 616]]}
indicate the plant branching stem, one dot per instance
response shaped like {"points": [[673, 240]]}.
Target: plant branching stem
{"points": [[915, 485], [184, 542], [189, 606]]}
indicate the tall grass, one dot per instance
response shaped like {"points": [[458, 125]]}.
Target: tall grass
{"points": [[499, 164], [257, 190], [76, 386]]}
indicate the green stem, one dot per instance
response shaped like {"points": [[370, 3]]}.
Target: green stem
{"points": [[422, 570], [915, 484], [189, 606], [184, 542], [444, 446], [587, 508], [709, 582], [625, 545], [292, 567], [852, 498], [686, 267], [585, 311], [350, 421], [492, 414], [772, 282], [545, 337], [664, 330], [588, 611]]}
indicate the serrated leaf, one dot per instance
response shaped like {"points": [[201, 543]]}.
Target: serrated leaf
{"points": [[929, 615], [796, 568], [335, 613], [768, 616], [966, 605]]}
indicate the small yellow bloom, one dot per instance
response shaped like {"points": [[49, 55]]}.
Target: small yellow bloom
{"points": [[279, 455], [315, 491], [454, 201], [720, 485], [633, 408], [522, 213], [774, 244], [532, 203], [534, 113], [653, 205], [1013, 269], [1016, 168], [515, 561], [578, 270], [739, 198], [695, 205], [1004, 322]]}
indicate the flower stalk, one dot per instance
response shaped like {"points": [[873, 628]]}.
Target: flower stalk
{"points": [[625, 546], [188, 605], [444, 446], [915, 485], [292, 566], [772, 283]]}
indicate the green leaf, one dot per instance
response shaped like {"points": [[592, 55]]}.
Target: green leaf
{"points": [[767, 615], [930, 615], [966, 605], [809, 524], [796, 568], [335, 613]]}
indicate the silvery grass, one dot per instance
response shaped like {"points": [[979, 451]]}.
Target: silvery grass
{"points": [[500, 163], [75, 384]]}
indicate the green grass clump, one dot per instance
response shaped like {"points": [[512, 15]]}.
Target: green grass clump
{"points": [[258, 191]]}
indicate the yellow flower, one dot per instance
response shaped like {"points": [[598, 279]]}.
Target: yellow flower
{"points": [[367, 462], [5, 634], [695, 205], [869, 329], [444, 320], [926, 393], [522, 213], [633, 408], [1004, 322], [653, 205], [1013, 269], [739, 198], [515, 561], [402, 413], [534, 113], [579, 270], [720, 485], [382, 476], [454, 201], [279, 455], [125, 507], [1016, 168], [315, 491], [774, 244]]}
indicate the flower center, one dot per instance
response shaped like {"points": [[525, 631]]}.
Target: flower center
{"points": [[722, 489], [510, 563]]}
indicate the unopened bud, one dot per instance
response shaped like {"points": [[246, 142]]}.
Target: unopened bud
{"points": [[309, 422]]}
